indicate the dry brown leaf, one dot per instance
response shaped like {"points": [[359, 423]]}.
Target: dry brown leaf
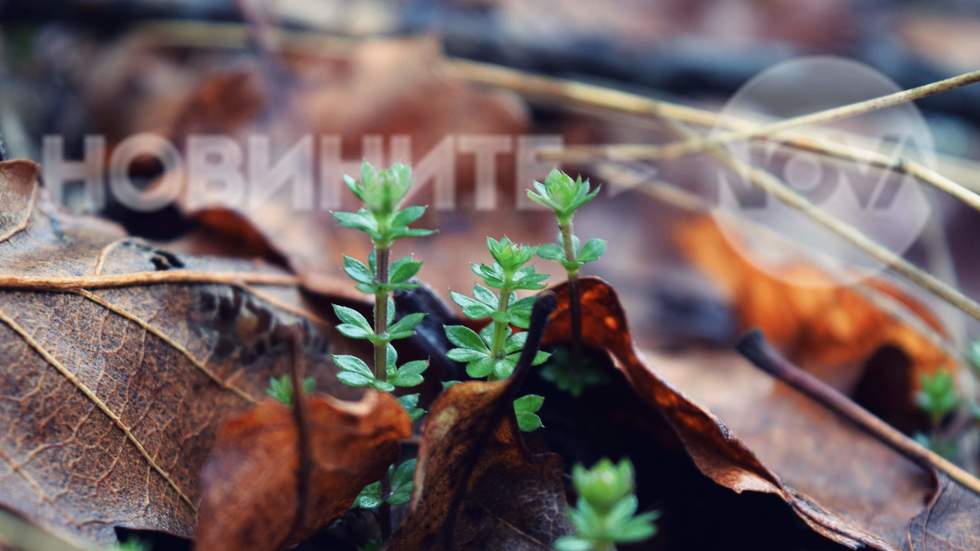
{"points": [[829, 329], [249, 483], [475, 480], [120, 359], [843, 483]]}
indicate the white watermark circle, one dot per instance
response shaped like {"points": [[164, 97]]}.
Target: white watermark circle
{"points": [[887, 206]]}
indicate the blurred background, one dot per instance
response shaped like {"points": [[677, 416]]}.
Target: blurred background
{"points": [[425, 69]]}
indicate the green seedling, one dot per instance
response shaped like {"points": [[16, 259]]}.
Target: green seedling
{"points": [[384, 221], [605, 513], [372, 496], [281, 388], [938, 397], [564, 196], [492, 353]]}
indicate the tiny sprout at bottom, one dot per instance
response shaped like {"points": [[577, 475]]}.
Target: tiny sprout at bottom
{"points": [[605, 513]]}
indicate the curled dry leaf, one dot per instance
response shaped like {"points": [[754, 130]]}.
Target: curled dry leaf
{"points": [[249, 483], [119, 361], [825, 327], [475, 483], [780, 442]]}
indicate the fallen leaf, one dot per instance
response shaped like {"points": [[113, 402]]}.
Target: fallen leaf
{"points": [[249, 483], [485, 489], [761, 436], [120, 360], [826, 328], [476, 484]]}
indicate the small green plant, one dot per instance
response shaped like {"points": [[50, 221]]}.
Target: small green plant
{"points": [[570, 373], [399, 493], [938, 397], [493, 353], [281, 388], [382, 219], [526, 410], [564, 196], [384, 222], [605, 513]]}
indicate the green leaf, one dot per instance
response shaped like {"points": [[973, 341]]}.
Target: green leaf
{"points": [[411, 402], [480, 368], [472, 308], [281, 388], [360, 220], [528, 422], [448, 384], [404, 269], [391, 358], [383, 386], [466, 355], [540, 357], [525, 409], [572, 543], [937, 396], [401, 479], [572, 374], [352, 317], [591, 251], [410, 374], [529, 403], [551, 251], [484, 295], [464, 337], [407, 215], [355, 332], [399, 233], [515, 343], [493, 276], [357, 270], [503, 367], [353, 371], [638, 528], [527, 278], [405, 327], [370, 497], [520, 312], [357, 380]]}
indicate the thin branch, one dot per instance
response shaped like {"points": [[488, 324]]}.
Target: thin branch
{"points": [[772, 185], [301, 418], [784, 193], [754, 347], [698, 144], [634, 104], [74, 283]]}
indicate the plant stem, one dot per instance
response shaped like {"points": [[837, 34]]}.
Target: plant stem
{"points": [[381, 362], [573, 299], [381, 314], [498, 345], [300, 417]]}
